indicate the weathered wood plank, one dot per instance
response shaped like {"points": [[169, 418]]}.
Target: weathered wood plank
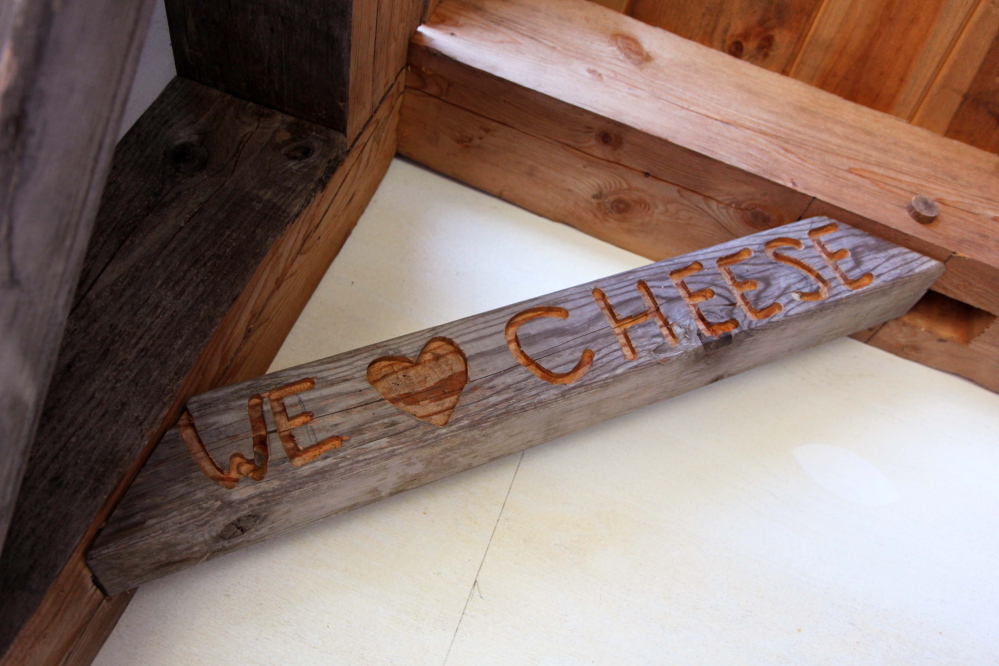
{"points": [[370, 423], [242, 346], [65, 72], [200, 189], [768, 33], [780, 129]]}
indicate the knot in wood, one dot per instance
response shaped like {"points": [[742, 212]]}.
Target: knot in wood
{"points": [[188, 157], [239, 527], [736, 48], [298, 149], [631, 49]]}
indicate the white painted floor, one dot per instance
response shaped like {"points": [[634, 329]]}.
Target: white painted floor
{"points": [[838, 506]]}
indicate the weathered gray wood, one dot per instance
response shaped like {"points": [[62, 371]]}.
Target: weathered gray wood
{"points": [[326, 61], [200, 189], [174, 515], [65, 72], [291, 56]]}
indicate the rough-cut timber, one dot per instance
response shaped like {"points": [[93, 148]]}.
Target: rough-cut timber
{"points": [[326, 61], [771, 126], [625, 142], [219, 220], [65, 73], [259, 458]]}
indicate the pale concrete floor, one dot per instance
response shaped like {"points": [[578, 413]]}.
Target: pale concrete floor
{"points": [[837, 506]]}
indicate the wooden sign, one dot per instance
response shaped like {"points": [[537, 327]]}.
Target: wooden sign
{"points": [[252, 460]]}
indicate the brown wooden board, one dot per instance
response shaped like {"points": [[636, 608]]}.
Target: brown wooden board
{"points": [[771, 126], [200, 189], [259, 458], [501, 137], [64, 78]]}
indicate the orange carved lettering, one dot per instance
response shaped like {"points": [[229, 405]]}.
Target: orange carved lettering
{"points": [[832, 257], [620, 326], [740, 287], [693, 298], [513, 342], [285, 424], [784, 241]]}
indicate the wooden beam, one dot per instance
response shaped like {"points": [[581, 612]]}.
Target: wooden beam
{"points": [[219, 220], [392, 416], [326, 61], [65, 74], [485, 114], [770, 126]]}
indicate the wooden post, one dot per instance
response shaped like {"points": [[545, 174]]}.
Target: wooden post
{"points": [[256, 459], [65, 73], [326, 61]]}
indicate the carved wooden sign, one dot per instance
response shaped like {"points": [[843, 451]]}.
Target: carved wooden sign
{"points": [[255, 459]]}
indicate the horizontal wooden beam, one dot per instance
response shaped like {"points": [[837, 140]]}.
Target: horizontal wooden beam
{"points": [[750, 151], [256, 459], [768, 125], [219, 219]]}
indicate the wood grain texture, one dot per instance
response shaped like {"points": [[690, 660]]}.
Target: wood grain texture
{"points": [[65, 73], [291, 56], [959, 70], [326, 62], [768, 34], [174, 516], [771, 126], [763, 203], [612, 202], [977, 360], [241, 347], [976, 120], [200, 189], [965, 279], [883, 54]]}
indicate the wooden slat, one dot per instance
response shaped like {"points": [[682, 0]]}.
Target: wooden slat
{"points": [[768, 33], [484, 387], [64, 79], [952, 84], [766, 124], [883, 54], [266, 183]]}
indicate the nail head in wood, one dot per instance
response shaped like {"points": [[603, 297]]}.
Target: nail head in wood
{"points": [[923, 209]]}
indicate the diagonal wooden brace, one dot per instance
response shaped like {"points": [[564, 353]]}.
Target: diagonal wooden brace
{"points": [[430, 404]]}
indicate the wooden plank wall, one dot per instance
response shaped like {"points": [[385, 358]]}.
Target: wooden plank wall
{"points": [[934, 63]]}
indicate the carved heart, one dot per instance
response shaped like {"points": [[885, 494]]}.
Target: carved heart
{"points": [[427, 388]]}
